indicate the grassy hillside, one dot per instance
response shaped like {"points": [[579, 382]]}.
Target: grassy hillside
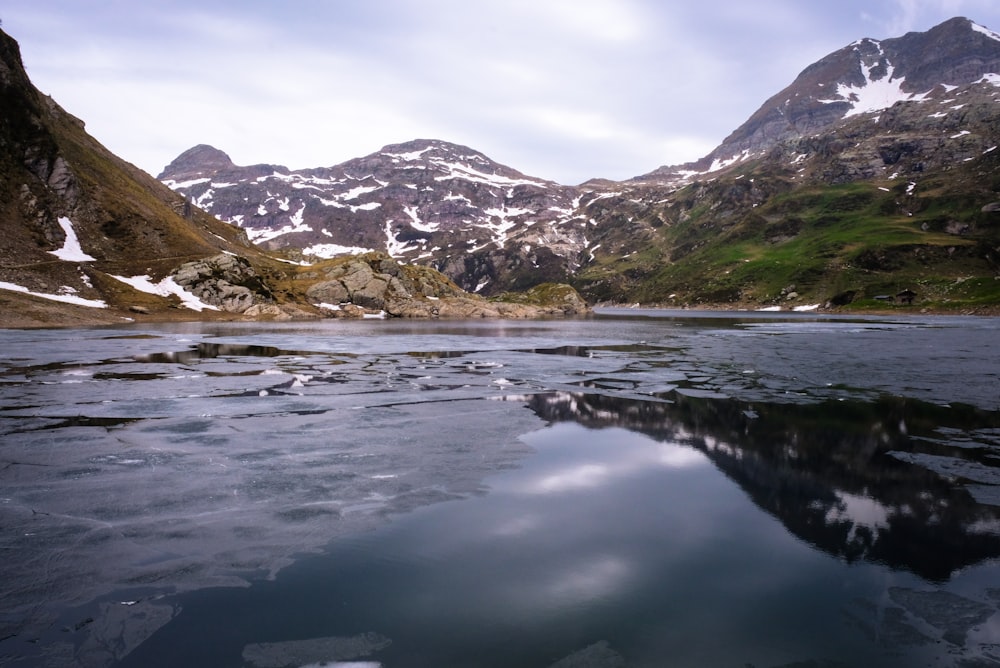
{"points": [[753, 238]]}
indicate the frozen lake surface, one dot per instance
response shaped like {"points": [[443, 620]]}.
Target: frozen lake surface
{"points": [[632, 489]]}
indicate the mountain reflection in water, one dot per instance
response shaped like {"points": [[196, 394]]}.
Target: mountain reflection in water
{"points": [[834, 473]]}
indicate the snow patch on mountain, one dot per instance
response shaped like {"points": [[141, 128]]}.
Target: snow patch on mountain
{"points": [[165, 288], [413, 213], [986, 31], [878, 92], [459, 171], [71, 251], [260, 235], [66, 296], [393, 246], [409, 156], [327, 251], [183, 185]]}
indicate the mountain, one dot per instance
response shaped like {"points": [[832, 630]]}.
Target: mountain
{"points": [[865, 77], [873, 174], [74, 215], [89, 238], [425, 201], [839, 197]]}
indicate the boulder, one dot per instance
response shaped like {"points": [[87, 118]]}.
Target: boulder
{"points": [[328, 292], [376, 283], [225, 281]]}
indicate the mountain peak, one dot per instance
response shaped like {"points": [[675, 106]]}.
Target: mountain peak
{"points": [[198, 161], [446, 156], [864, 77]]}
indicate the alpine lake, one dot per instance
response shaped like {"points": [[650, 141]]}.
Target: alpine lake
{"points": [[634, 488]]}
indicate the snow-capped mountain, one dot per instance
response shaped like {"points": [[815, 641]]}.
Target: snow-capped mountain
{"points": [[423, 201], [863, 78], [894, 114]]}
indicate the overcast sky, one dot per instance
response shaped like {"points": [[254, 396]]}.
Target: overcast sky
{"points": [[560, 89]]}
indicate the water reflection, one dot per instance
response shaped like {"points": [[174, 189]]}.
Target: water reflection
{"points": [[204, 350], [848, 477]]}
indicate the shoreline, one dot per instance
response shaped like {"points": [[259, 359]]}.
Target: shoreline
{"points": [[27, 313]]}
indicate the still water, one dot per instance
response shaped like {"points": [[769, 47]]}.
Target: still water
{"points": [[636, 488]]}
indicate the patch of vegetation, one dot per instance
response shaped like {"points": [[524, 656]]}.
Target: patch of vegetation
{"points": [[850, 243], [546, 294]]}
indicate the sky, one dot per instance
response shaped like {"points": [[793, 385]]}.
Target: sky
{"points": [[565, 90]]}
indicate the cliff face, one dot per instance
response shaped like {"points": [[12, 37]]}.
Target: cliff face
{"points": [[74, 215]]}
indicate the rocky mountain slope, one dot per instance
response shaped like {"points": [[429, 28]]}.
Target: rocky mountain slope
{"points": [[425, 201], [88, 238], [874, 173], [862, 78]]}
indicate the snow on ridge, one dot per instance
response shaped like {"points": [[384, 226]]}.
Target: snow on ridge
{"points": [[176, 185], [984, 30], [460, 171], [410, 156], [275, 175], [874, 94], [720, 163], [71, 251]]}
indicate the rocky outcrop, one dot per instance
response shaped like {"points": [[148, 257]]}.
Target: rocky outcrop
{"points": [[375, 283], [225, 281]]}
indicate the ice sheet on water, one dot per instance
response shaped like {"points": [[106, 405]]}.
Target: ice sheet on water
{"points": [[344, 652], [598, 655], [953, 466], [193, 455]]}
